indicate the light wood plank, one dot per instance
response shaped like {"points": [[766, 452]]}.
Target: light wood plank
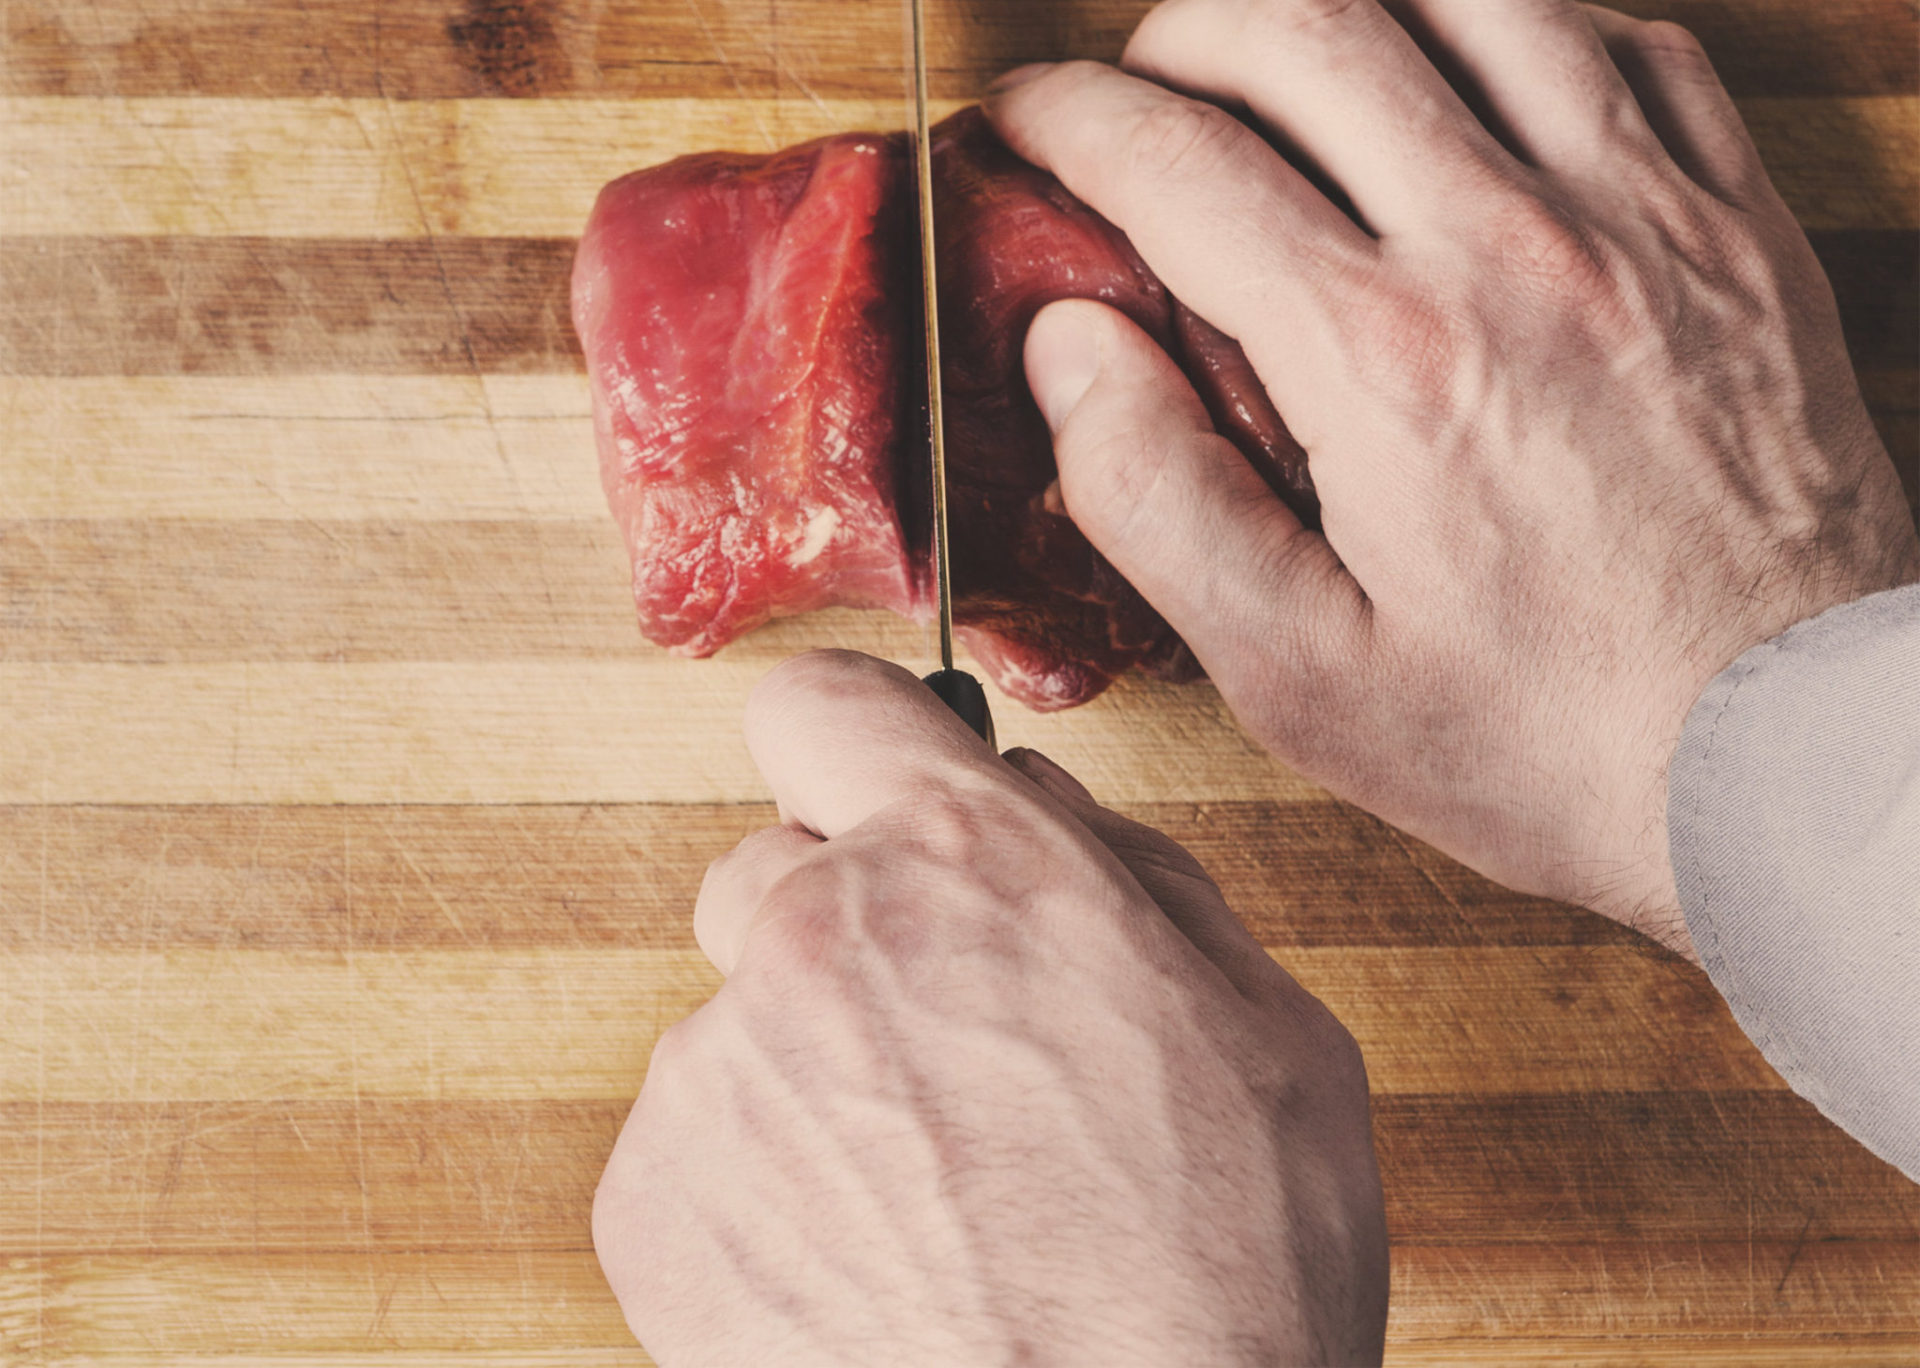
{"points": [[1299, 874], [388, 447], [436, 168], [417, 49], [652, 729], [299, 1304], [513, 1024], [307, 447], [1775, 1351], [162, 591], [588, 1357], [214, 167], [1654, 1300]]}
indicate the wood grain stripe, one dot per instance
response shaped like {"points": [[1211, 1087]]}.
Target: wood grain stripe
{"points": [[300, 447], [250, 306], [296, 1303], [162, 591], [651, 729], [1631, 1349], [1636, 1292], [335, 448], [420, 49], [1312, 873], [274, 307], [1629, 1298], [512, 168], [438, 168], [393, 1177], [1652, 1167], [516, 1024]]}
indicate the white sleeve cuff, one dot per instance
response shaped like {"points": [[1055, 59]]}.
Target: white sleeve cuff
{"points": [[1793, 820]]}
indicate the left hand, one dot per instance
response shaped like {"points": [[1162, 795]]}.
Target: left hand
{"points": [[995, 1076], [1571, 387]]}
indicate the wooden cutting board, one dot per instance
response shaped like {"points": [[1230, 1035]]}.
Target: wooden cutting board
{"points": [[348, 832]]}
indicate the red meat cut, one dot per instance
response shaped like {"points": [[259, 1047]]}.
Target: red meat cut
{"points": [[751, 332]]}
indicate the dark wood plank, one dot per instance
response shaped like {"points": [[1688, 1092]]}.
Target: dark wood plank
{"points": [[410, 1176], [1782, 1304], [254, 306], [415, 49], [1647, 1167], [267, 306], [1709, 1306]]}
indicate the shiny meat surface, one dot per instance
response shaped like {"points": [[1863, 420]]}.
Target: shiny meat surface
{"points": [[751, 331], [742, 323]]}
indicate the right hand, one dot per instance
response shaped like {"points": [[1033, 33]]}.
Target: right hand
{"points": [[1575, 402], [996, 1076]]}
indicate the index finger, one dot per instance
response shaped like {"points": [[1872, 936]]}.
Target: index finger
{"points": [[1233, 229], [840, 736]]}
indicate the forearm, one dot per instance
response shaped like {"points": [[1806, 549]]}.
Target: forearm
{"points": [[1794, 823]]}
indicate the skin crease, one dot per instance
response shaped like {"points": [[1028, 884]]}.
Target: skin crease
{"points": [[996, 1077]]}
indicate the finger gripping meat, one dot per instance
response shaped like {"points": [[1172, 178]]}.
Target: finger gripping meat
{"points": [[751, 329]]}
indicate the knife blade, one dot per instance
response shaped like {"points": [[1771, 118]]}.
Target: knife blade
{"points": [[956, 688]]}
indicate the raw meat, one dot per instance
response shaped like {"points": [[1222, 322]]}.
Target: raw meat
{"points": [[742, 319], [751, 331]]}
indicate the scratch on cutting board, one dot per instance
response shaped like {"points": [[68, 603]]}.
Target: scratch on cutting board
{"points": [[726, 62], [1400, 843], [405, 159], [780, 65], [353, 1067], [433, 891], [1799, 1243]]}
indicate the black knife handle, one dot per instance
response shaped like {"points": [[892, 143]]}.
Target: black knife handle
{"points": [[963, 693]]}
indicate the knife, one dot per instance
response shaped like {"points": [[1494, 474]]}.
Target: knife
{"points": [[959, 690]]}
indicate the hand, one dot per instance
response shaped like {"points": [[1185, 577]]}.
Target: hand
{"points": [[1575, 401], [995, 1077]]}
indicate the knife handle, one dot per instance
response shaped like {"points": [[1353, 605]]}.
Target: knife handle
{"points": [[963, 693]]}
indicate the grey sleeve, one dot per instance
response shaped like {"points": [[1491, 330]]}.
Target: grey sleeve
{"points": [[1793, 819]]}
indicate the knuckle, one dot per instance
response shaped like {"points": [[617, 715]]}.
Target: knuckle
{"points": [[1328, 1042], [670, 1051], [814, 676], [801, 922], [1662, 39], [1176, 137], [1571, 270], [1539, 243], [955, 832], [673, 1074], [1408, 339], [1070, 77], [1286, 21], [1107, 478], [1145, 845]]}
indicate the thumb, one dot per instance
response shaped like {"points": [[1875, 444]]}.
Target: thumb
{"points": [[1174, 505]]}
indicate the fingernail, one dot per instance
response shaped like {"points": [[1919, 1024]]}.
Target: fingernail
{"points": [[1063, 356], [1019, 76], [1052, 500], [1048, 775]]}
